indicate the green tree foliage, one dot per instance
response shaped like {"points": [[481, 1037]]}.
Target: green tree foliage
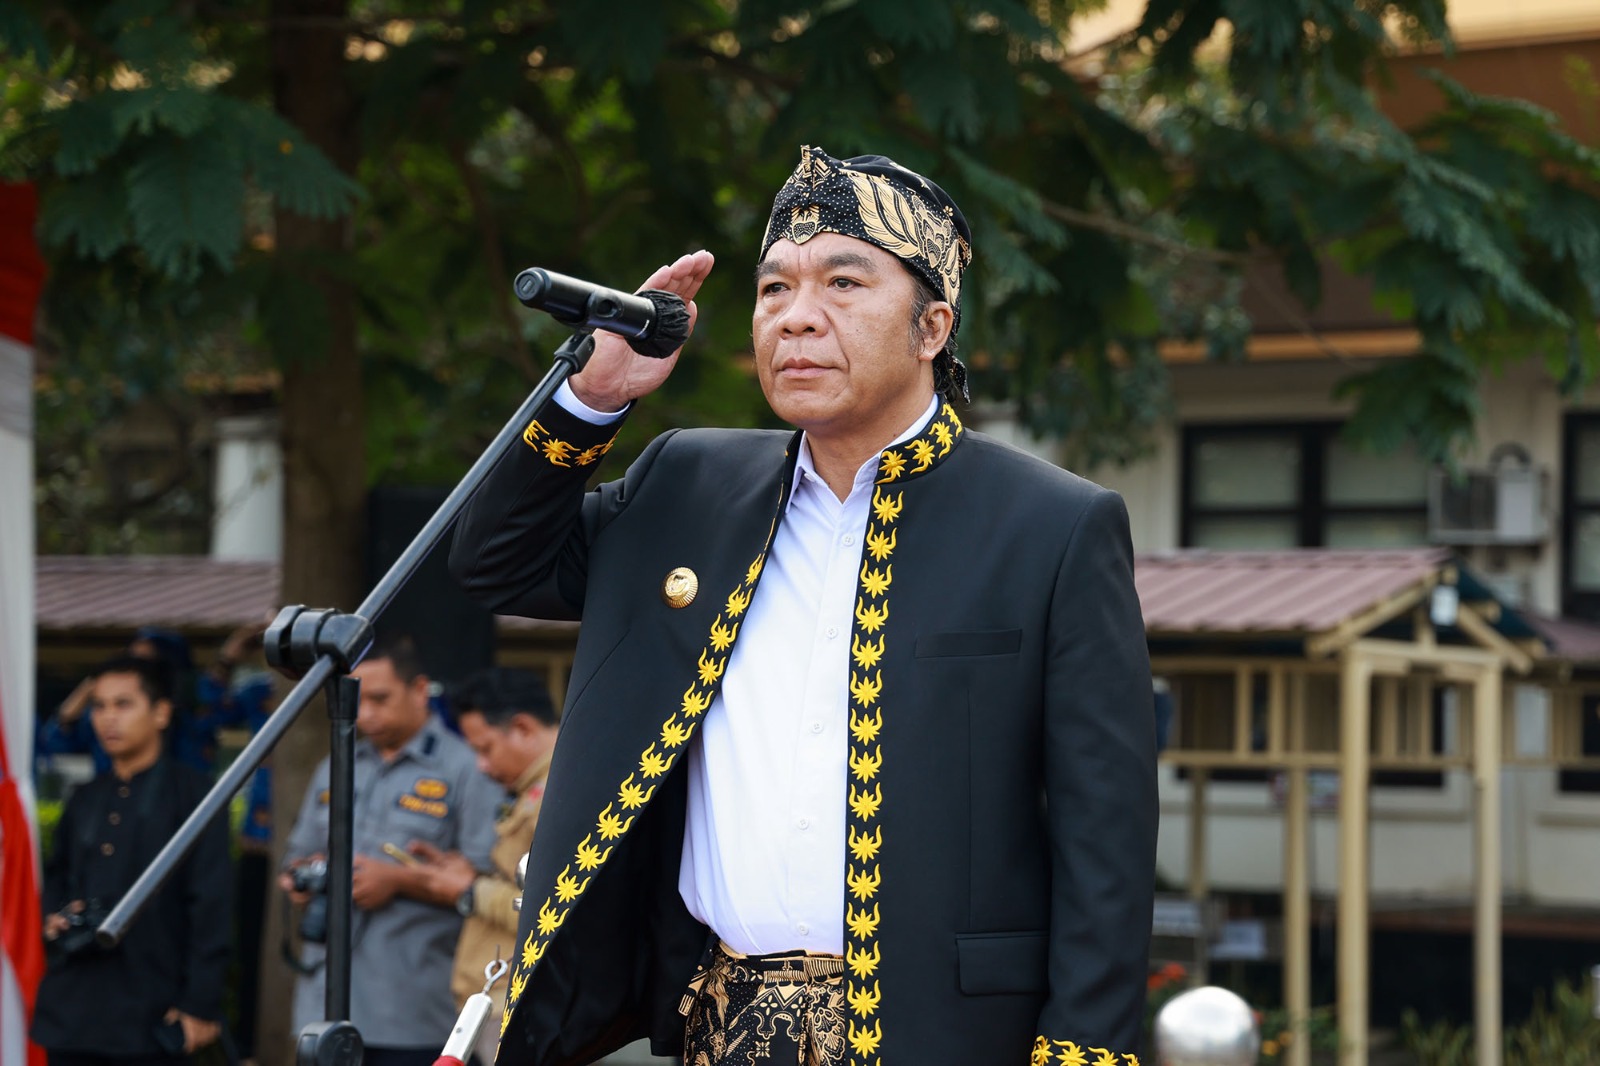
{"points": [[1112, 208]]}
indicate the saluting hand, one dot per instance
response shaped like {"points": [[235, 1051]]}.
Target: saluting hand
{"points": [[616, 375]]}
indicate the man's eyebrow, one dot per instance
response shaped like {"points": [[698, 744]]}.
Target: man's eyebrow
{"points": [[836, 261]]}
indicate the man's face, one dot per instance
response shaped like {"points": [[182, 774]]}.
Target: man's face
{"points": [[126, 720], [504, 752], [391, 711], [836, 349]]}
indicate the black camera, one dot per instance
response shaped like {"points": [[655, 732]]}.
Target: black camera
{"points": [[77, 938], [311, 878]]}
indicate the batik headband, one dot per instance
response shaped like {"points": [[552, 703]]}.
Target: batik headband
{"points": [[875, 199]]}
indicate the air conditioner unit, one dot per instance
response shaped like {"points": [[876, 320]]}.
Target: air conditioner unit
{"points": [[1501, 505]]}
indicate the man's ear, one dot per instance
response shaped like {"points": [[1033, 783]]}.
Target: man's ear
{"points": [[162, 709], [937, 321], [524, 725]]}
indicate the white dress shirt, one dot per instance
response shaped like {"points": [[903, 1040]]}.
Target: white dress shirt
{"points": [[764, 844]]}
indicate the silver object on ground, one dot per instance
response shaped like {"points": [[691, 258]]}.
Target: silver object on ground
{"points": [[1206, 1026]]}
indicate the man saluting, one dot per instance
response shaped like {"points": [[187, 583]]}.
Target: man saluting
{"points": [[857, 764]]}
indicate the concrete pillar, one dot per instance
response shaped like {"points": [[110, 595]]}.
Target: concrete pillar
{"points": [[247, 489]]}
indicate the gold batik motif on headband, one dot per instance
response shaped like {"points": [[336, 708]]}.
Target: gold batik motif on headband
{"points": [[901, 215]]}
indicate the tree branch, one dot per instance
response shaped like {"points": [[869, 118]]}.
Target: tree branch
{"points": [[494, 256], [1132, 233]]}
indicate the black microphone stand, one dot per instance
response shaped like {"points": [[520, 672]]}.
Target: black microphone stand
{"points": [[318, 648]]}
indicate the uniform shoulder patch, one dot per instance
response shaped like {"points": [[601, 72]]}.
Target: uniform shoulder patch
{"points": [[431, 788]]}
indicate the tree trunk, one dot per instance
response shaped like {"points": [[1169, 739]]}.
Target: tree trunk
{"points": [[324, 442]]}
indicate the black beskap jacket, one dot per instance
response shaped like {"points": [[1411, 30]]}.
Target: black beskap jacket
{"points": [[1002, 809]]}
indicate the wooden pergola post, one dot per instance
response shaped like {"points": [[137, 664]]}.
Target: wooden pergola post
{"points": [[1486, 757], [1355, 773], [1297, 914]]}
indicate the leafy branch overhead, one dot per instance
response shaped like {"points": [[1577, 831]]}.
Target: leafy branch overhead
{"points": [[1119, 199]]}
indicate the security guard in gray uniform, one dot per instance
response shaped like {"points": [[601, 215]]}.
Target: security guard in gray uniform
{"points": [[414, 782]]}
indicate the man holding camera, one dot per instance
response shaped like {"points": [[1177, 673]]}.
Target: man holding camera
{"points": [[415, 784], [157, 996]]}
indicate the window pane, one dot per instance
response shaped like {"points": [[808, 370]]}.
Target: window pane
{"points": [[1362, 477], [1377, 531], [1237, 471], [1586, 465], [1244, 533], [1586, 552]]}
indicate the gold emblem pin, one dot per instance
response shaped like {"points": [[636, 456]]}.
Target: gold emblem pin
{"points": [[679, 588]]}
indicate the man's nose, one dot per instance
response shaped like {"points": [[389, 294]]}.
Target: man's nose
{"points": [[803, 312]]}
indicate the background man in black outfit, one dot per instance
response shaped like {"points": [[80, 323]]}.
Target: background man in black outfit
{"points": [[157, 996]]}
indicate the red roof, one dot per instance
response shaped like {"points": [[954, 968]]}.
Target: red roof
{"points": [[1569, 638], [181, 591], [128, 591], [1191, 591], [1307, 591]]}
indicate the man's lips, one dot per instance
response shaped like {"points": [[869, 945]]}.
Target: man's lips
{"points": [[803, 368]]}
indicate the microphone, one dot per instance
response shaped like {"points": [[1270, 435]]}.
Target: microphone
{"points": [[655, 323]]}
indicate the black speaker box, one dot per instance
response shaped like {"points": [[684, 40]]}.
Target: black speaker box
{"points": [[454, 635]]}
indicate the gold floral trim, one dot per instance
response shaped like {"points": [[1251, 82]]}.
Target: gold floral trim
{"points": [[636, 790], [1047, 1052], [863, 955], [924, 451], [561, 453], [864, 830]]}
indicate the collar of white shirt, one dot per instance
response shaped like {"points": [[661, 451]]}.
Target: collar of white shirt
{"points": [[805, 466]]}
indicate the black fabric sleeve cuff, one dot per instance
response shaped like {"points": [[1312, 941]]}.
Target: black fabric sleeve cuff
{"points": [[565, 440]]}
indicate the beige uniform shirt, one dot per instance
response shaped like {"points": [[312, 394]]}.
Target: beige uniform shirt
{"points": [[493, 924]]}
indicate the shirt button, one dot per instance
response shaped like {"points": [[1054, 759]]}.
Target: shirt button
{"points": [[848, 539], [115, 819], [803, 823], [833, 631], [106, 848], [816, 727], [123, 791], [803, 929]]}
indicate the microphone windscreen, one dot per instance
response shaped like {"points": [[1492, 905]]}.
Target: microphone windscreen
{"points": [[669, 328]]}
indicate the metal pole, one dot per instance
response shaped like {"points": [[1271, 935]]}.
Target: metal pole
{"points": [[344, 698], [1353, 947]]}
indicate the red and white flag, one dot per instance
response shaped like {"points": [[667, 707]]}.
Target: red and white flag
{"points": [[22, 959], [21, 946]]}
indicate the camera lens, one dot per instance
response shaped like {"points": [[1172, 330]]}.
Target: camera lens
{"points": [[314, 922]]}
